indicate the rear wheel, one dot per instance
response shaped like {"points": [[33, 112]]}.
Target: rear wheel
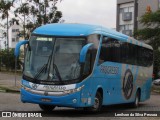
{"points": [[47, 108], [137, 100]]}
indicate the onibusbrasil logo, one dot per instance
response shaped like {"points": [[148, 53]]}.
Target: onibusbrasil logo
{"points": [[128, 84], [20, 114]]}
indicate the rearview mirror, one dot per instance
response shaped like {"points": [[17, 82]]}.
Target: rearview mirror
{"points": [[18, 45], [84, 51]]}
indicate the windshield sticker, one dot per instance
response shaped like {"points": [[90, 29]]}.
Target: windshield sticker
{"points": [[109, 69]]}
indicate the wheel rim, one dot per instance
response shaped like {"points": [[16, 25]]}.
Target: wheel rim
{"points": [[96, 103], [137, 100]]}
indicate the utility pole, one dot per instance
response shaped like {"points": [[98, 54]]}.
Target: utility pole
{"points": [[7, 33], [0, 54], [24, 27]]}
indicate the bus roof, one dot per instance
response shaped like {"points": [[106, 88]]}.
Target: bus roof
{"points": [[72, 29], [63, 29]]}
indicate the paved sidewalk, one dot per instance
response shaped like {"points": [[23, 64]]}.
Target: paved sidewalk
{"points": [[8, 82]]}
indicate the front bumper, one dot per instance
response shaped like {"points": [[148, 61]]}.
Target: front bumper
{"points": [[69, 100]]}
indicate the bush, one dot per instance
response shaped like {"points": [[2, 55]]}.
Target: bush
{"points": [[8, 59]]}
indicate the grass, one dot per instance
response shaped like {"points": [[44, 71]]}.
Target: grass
{"points": [[11, 72], [5, 89], [156, 89]]}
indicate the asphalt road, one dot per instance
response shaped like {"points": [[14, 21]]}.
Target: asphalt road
{"points": [[11, 102]]}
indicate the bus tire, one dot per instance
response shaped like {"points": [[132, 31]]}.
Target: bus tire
{"points": [[135, 104], [47, 108], [97, 103]]}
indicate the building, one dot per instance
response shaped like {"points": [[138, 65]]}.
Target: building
{"points": [[13, 35], [129, 13], [2, 36]]}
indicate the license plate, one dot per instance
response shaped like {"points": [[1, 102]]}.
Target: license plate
{"points": [[45, 100]]}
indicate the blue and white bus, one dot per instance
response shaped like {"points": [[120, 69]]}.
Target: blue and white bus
{"points": [[84, 66]]}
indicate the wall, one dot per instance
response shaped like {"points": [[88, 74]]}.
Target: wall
{"points": [[124, 6], [124, 1]]}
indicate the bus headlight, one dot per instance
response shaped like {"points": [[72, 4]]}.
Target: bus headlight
{"points": [[73, 90], [25, 88]]}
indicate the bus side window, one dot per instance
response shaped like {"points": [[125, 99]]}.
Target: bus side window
{"points": [[102, 51], [145, 57], [87, 65], [110, 50], [90, 59], [124, 52]]}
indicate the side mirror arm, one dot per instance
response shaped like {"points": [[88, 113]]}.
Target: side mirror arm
{"points": [[18, 45], [84, 51]]}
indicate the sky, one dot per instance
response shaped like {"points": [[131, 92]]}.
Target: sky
{"points": [[98, 12]]}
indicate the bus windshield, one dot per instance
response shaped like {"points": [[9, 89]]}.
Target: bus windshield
{"points": [[53, 59]]}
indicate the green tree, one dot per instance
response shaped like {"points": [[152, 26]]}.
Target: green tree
{"points": [[5, 55], [151, 35], [24, 10], [4, 8], [37, 13]]}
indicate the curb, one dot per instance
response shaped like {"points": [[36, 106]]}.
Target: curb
{"points": [[10, 90], [156, 91]]}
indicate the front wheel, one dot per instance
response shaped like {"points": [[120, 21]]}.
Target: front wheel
{"points": [[47, 108], [97, 103]]}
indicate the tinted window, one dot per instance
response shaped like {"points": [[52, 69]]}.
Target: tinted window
{"points": [[145, 56], [122, 52], [110, 50]]}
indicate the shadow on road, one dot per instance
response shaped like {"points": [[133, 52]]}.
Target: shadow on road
{"points": [[107, 111]]}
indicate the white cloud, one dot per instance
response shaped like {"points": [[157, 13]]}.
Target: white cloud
{"points": [[101, 12]]}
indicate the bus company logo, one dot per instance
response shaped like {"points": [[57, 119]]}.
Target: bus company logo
{"points": [[109, 69], [34, 86], [128, 84]]}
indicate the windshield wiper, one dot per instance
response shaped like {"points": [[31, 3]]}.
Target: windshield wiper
{"points": [[43, 68], [57, 72]]}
